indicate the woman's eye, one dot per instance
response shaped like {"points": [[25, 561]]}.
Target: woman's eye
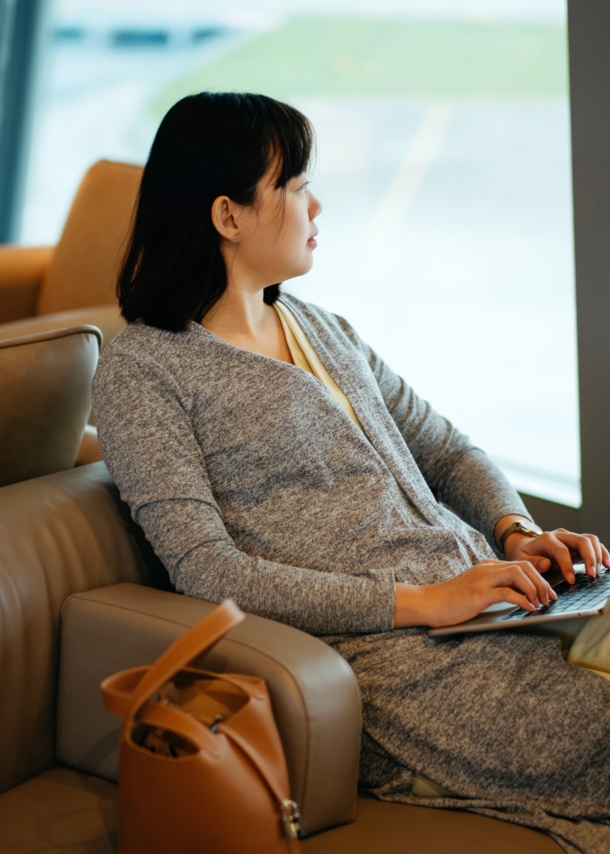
{"points": [[303, 187]]}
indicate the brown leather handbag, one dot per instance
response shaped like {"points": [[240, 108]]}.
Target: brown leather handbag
{"points": [[201, 767]]}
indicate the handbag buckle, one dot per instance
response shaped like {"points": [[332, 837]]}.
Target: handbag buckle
{"points": [[290, 818]]}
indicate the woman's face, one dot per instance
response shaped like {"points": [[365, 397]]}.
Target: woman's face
{"points": [[276, 235]]}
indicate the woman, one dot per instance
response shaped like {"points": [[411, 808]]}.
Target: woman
{"points": [[271, 456]]}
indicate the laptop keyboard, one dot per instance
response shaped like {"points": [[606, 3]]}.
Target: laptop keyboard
{"points": [[586, 594]]}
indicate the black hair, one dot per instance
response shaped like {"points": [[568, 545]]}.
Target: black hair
{"points": [[208, 145]]}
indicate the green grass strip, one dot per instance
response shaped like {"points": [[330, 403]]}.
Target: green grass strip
{"points": [[320, 56]]}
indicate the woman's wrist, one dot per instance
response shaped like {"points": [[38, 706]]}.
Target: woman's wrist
{"points": [[512, 542], [410, 605]]}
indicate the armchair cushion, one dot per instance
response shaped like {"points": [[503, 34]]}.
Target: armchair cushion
{"points": [[67, 812]]}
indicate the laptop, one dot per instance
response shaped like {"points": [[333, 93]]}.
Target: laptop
{"points": [[587, 597]]}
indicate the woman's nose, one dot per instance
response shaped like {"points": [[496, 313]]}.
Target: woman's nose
{"points": [[315, 207]]}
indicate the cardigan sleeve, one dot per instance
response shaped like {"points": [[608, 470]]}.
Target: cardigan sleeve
{"points": [[149, 446], [459, 474]]}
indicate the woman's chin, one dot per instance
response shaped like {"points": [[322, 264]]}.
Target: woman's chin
{"points": [[301, 270]]}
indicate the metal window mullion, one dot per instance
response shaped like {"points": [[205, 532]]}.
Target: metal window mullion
{"points": [[21, 31], [589, 40]]}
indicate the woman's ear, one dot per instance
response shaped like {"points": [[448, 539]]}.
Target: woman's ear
{"points": [[224, 217]]}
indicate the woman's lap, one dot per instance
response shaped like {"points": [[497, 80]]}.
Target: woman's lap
{"points": [[498, 713]]}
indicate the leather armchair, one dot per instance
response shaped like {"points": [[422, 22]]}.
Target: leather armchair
{"points": [[51, 287], [44, 288], [81, 596]]}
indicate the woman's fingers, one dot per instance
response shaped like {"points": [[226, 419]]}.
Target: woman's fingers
{"points": [[581, 544], [508, 594], [597, 549], [554, 548], [539, 562], [524, 578], [544, 589]]}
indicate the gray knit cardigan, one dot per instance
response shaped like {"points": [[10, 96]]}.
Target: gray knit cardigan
{"points": [[250, 481]]}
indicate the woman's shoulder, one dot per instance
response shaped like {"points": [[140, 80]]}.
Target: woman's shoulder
{"points": [[141, 343], [141, 352]]}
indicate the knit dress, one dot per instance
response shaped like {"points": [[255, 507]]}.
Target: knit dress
{"points": [[250, 481]]}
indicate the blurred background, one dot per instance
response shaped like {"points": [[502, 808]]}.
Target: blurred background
{"points": [[443, 167]]}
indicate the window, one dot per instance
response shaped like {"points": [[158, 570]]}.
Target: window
{"points": [[444, 170]]}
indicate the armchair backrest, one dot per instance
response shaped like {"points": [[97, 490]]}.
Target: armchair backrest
{"points": [[59, 534], [85, 263], [44, 389]]}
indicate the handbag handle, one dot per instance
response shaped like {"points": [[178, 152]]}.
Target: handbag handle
{"points": [[192, 643]]}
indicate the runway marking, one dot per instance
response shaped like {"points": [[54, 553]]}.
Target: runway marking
{"points": [[408, 178]]}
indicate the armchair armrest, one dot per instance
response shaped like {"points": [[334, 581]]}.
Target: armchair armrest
{"points": [[22, 269], [314, 692]]}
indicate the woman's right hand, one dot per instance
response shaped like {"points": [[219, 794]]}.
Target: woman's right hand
{"points": [[463, 597]]}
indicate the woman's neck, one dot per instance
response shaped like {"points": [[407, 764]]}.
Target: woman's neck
{"points": [[243, 319], [238, 312]]}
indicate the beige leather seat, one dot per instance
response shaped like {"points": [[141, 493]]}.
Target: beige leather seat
{"points": [[67, 541], [45, 400], [73, 283]]}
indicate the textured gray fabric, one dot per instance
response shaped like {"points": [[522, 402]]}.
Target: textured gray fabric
{"points": [[500, 719], [251, 482]]}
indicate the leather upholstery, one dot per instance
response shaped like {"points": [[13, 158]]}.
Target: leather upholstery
{"points": [[22, 270], [59, 534], [83, 268], [106, 318], [382, 828], [89, 450], [70, 812], [60, 811], [44, 388], [314, 693]]}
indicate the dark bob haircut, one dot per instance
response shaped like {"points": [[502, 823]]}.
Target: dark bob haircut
{"points": [[208, 145]]}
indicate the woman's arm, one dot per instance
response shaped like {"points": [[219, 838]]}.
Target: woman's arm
{"points": [[148, 444], [459, 474], [464, 478]]}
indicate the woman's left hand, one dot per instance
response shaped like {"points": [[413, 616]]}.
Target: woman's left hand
{"points": [[559, 549]]}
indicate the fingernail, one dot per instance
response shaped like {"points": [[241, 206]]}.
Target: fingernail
{"points": [[572, 578]]}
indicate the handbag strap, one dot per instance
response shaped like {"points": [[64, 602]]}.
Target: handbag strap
{"points": [[192, 643]]}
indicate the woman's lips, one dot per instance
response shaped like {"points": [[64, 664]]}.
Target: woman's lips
{"points": [[312, 241]]}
